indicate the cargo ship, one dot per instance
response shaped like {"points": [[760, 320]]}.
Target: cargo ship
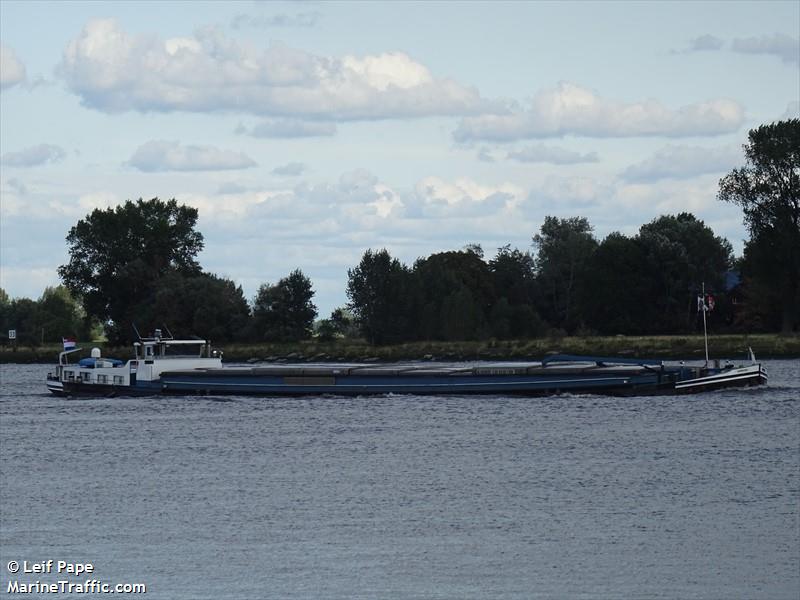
{"points": [[162, 365]]}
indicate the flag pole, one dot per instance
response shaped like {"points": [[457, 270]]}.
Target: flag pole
{"points": [[705, 330]]}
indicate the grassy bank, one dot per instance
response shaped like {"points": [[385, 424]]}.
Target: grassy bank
{"points": [[668, 347]]}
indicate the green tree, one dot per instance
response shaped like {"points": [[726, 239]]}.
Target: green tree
{"points": [[284, 311], [768, 190], [343, 323], [23, 315], [203, 305], [380, 293], [55, 315], [514, 314], [456, 292], [60, 315], [5, 315], [682, 253], [564, 247], [118, 255], [619, 284], [325, 330]]}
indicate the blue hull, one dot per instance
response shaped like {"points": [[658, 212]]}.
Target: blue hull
{"points": [[433, 385], [535, 379]]}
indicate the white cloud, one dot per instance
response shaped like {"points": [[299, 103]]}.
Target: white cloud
{"points": [[28, 281], [572, 109], [463, 197], [551, 154], [683, 162], [113, 71], [12, 71], [290, 128], [670, 197], [568, 196], [292, 169], [163, 155], [785, 47], [34, 156], [99, 199], [229, 207]]}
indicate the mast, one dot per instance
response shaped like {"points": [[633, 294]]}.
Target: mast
{"points": [[705, 330]]}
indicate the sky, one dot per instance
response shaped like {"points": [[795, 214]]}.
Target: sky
{"points": [[306, 133]]}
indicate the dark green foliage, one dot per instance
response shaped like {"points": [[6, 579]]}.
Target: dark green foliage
{"points": [[381, 297], [343, 323], [284, 311], [618, 296], [456, 292], [461, 317], [768, 190], [22, 314], [118, 256], [564, 247], [681, 254], [648, 283], [47, 320], [200, 305], [325, 330], [513, 314], [61, 316]]}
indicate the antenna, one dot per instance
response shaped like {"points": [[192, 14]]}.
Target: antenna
{"points": [[139, 335], [705, 329], [169, 333]]}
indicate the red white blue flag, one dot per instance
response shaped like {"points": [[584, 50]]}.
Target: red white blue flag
{"points": [[69, 343]]}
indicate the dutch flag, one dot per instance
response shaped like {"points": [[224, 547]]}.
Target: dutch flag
{"points": [[69, 343]]}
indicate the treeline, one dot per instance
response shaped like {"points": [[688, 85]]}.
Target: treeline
{"points": [[573, 283], [45, 320], [136, 264]]}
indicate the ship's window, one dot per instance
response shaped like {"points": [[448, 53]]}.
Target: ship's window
{"points": [[86, 376], [102, 378], [118, 380]]}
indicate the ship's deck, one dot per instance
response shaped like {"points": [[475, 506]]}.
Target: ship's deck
{"points": [[426, 369]]}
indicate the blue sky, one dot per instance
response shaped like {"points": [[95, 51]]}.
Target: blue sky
{"points": [[307, 132]]}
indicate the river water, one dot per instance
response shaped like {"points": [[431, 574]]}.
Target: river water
{"points": [[405, 496]]}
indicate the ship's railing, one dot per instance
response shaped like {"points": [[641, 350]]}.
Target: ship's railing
{"points": [[600, 361]]}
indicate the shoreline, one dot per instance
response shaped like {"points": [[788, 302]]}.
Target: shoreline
{"points": [[673, 347]]}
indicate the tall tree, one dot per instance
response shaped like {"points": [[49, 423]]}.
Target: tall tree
{"points": [[118, 255], [456, 292], [60, 315], [203, 305], [768, 190], [514, 275], [379, 289], [682, 253], [619, 284], [564, 247], [514, 314], [22, 314], [284, 311]]}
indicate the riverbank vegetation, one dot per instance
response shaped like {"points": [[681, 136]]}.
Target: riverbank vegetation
{"points": [[135, 265], [314, 350]]}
